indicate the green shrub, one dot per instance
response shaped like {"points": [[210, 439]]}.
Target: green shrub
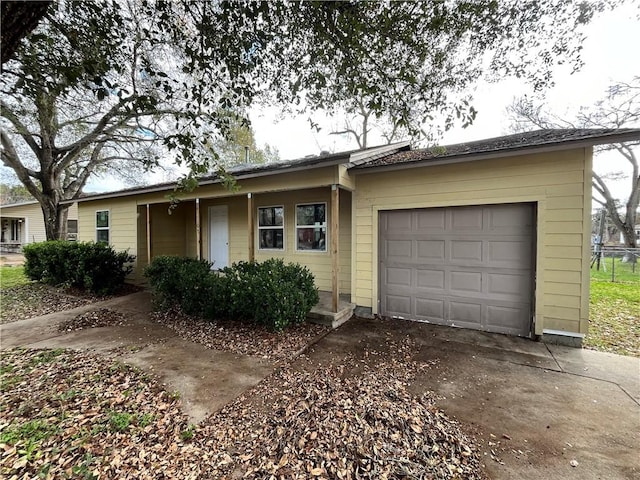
{"points": [[179, 281], [95, 267], [272, 293]]}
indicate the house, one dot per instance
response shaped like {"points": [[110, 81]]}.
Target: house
{"points": [[23, 223], [491, 235]]}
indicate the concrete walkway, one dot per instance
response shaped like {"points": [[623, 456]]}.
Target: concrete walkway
{"points": [[206, 379]]}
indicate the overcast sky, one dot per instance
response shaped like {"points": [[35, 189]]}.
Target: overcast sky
{"points": [[610, 54]]}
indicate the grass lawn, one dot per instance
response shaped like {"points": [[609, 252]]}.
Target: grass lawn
{"points": [[12, 276], [615, 310]]}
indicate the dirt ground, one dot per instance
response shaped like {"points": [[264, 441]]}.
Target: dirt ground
{"points": [[533, 417], [538, 411]]}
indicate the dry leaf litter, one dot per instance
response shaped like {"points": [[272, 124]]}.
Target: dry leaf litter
{"points": [[103, 317], [242, 338], [350, 420]]}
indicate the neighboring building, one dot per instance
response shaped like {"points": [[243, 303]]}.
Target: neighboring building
{"points": [[23, 223], [637, 229], [491, 235]]}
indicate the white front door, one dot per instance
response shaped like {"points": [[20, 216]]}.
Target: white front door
{"points": [[219, 236]]}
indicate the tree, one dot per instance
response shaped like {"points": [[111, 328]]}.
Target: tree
{"points": [[18, 19], [620, 107], [134, 80], [239, 146], [13, 194]]}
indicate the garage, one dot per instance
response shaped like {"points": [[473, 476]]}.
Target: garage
{"points": [[470, 267]]}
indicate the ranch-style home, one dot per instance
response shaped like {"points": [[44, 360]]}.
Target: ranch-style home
{"points": [[23, 223], [491, 235]]}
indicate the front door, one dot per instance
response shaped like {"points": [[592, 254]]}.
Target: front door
{"points": [[219, 236]]}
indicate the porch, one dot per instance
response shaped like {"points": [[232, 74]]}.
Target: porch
{"points": [[311, 227], [323, 312]]}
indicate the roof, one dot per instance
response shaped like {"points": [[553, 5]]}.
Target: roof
{"points": [[400, 155], [18, 204], [245, 171], [520, 143]]}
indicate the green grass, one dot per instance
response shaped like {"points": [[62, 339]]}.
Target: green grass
{"points": [[621, 272], [12, 276], [614, 324]]}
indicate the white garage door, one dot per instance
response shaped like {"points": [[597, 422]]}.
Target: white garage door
{"points": [[468, 267]]}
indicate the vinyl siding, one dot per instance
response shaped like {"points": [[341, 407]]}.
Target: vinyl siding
{"points": [[34, 230], [559, 183]]}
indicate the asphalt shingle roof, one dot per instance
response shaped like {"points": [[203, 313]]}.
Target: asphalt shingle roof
{"points": [[508, 143]]}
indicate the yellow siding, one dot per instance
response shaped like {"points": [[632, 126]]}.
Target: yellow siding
{"points": [[123, 223], [33, 227], [558, 182]]}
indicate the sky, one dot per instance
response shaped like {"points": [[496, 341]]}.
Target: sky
{"points": [[610, 54]]}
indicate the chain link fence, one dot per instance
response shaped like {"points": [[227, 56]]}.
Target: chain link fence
{"points": [[616, 264]]}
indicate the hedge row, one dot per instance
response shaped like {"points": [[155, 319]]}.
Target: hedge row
{"points": [[95, 267], [270, 293]]}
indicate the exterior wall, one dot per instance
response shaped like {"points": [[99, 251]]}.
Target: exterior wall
{"points": [[175, 233], [123, 222], [560, 185], [33, 228]]}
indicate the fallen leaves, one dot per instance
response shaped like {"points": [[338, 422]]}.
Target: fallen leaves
{"points": [[70, 414], [34, 299], [242, 338], [102, 317]]}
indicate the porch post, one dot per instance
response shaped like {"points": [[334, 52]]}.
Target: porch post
{"points": [[335, 258], [148, 235], [198, 232], [250, 228]]}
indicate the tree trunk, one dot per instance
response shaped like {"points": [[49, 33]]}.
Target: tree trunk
{"points": [[55, 219]]}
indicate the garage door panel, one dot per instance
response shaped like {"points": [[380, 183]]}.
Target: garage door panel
{"points": [[465, 282], [511, 254], [462, 266], [398, 276], [511, 285], [399, 305], [466, 312], [465, 218], [401, 221], [465, 251], [430, 278], [430, 250], [504, 319], [431, 309], [509, 217], [399, 249], [433, 220]]}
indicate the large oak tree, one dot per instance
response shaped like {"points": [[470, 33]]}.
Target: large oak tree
{"points": [[619, 108], [97, 83]]}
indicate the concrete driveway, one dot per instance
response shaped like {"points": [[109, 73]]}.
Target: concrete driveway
{"points": [[534, 407]]}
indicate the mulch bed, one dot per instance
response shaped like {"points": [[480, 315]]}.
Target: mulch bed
{"points": [[35, 299], [70, 414], [103, 317], [241, 338]]}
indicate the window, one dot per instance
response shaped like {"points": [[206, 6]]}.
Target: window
{"points": [[271, 228], [311, 227], [102, 226]]}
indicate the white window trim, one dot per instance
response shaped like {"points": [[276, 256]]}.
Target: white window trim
{"points": [[326, 223], [108, 229], [272, 227]]}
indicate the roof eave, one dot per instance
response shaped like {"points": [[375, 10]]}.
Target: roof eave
{"points": [[543, 148]]}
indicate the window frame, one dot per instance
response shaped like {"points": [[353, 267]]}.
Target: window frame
{"points": [[326, 228], [272, 227], [107, 228]]}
